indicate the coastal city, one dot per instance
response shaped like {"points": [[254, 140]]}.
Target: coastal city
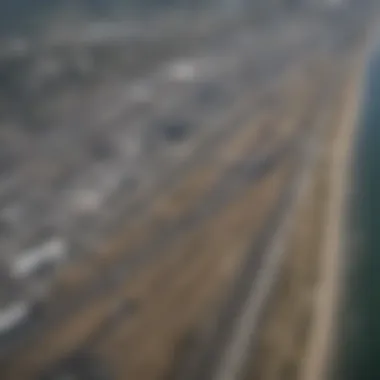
{"points": [[165, 187]]}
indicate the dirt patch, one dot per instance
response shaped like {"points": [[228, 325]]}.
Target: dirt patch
{"points": [[189, 277], [181, 199]]}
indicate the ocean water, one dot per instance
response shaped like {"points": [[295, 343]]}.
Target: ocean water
{"points": [[359, 336]]}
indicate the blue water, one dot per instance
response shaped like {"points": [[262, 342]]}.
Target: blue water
{"points": [[359, 342]]}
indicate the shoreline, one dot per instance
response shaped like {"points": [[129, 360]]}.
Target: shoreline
{"points": [[330, 288]]}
